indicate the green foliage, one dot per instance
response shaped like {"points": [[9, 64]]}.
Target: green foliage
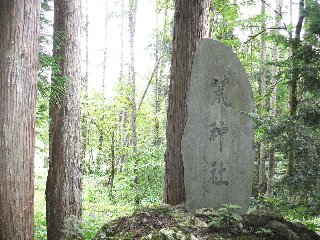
{"points": [[303, 213], [227, 214], [106, 122], [224, 17]]}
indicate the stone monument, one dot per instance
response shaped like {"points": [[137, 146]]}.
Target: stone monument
{"points": [[217, 143]]}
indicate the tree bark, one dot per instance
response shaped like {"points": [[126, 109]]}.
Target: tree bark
{"points": [[156, 134], [293, 85], [132, 75], [85, 81], [273, 100], [19, 28], [105, 51], [63, 192], [113, 160], [123, 112], [191, 23], [263, 89]]}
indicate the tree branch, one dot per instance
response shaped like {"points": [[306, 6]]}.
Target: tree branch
{"points": [[149, 82]]}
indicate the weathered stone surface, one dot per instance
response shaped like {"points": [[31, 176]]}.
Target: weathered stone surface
{"points": [[217, 144]]}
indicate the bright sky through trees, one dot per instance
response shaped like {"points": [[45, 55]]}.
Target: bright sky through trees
{"points": [[146, 22]]}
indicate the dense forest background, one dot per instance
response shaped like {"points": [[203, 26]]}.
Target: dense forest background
{"points": [[124, 99], [123, 125]]}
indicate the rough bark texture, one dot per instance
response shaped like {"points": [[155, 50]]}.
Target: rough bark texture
{"points": [[191, 23], [263, 91], [19, 31], [63, 193], [293, 87]]}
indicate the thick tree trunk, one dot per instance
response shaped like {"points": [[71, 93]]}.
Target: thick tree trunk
{"points": [[263, 89], [19, 28], [293, 86], [85, 138], [85, 88], [63, 193], [191, 23]]}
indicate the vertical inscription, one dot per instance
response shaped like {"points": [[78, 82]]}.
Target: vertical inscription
{"points": [[216, 145], [217, 174], [217, 132], [204, 180], [218, 90]]}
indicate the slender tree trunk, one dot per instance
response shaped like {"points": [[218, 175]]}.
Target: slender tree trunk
{"points": [[112, 173], [132, 75], [63, 192], [104, 67], [263, 89], [156, 138], [191, 23], [19, 28], [122, 39], [273, 100], [123, 113], [293, 85]]}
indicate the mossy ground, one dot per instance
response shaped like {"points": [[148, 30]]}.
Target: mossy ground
{"points": [[166, 222]]}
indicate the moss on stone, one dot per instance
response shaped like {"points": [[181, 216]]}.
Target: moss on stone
{"points": [[169, 223]]}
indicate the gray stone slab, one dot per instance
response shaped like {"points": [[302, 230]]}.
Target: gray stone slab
{"points": [[217, 144]]}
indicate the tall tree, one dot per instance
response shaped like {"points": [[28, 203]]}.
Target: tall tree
{"points": [[263, 91], [273, 96], [124, 112], [63, 192], [293, 85], [105, 50], [132, 75], [19, 27], [191, 23]]}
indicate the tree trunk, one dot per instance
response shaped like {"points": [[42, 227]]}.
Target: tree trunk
{"points": [[132, 75], [112, 173], [19, 28], [63, 192], [293, 85], [122, 40], [85, 81], [156, 135], [85, 88], [191, 23], [123, 113], [263, 89], [104, 65], [273, 100]]}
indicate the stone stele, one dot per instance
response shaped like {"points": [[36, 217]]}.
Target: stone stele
{"points": [[217, 143]]}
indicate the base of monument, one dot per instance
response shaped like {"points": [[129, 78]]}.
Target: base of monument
{"points": [[166, 222]]}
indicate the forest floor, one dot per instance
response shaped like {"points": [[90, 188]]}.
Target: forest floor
{"points": [[269, 218]]}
